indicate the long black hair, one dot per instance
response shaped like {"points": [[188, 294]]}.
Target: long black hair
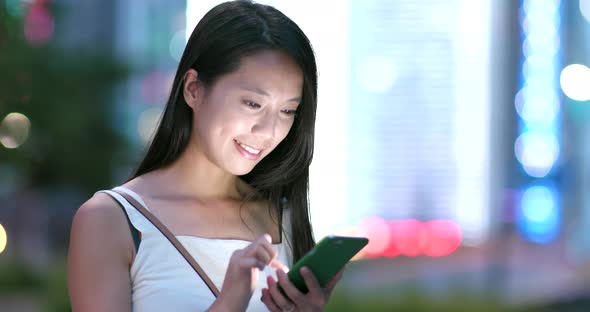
{"points": [[226, 34]]}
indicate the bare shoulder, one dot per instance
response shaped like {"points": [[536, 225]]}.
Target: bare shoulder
{"points": [[102, 222], [99, 206], [100, 213], [100, 250]]}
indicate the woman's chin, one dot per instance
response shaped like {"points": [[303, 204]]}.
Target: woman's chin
{"points": [[240, 171]]}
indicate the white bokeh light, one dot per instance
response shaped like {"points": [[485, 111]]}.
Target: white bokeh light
{"points": [[575, 82], [540, 7], [537, 152], [14, 130], [537, 106], [3, 238]]}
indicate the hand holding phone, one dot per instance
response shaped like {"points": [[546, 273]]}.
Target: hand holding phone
{"points": [[328, 257]]}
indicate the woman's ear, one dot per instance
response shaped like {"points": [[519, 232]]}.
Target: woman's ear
{"points": [[191, 89]]}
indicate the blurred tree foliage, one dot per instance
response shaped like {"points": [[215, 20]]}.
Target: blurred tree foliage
{"points": [[415, 301], [67, 97]]}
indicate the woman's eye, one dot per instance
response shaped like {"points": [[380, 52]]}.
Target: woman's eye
{"points": [[290, 112], [251, 104]]}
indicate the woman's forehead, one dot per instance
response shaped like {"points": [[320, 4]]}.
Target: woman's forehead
{"points": [[266, 72]]}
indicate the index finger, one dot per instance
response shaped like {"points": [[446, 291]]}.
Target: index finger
{"points": [[276, 264]]}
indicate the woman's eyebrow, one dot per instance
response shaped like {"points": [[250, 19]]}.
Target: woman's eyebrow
{"points": [[264, 93]]}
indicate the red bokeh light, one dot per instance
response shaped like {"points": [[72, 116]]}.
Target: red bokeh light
{"points": [[436, 238], [391, 250], [444, 237], [409, 237], [377, 231]]}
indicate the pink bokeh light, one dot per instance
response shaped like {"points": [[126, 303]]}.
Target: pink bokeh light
{"points": [[39, 24]]}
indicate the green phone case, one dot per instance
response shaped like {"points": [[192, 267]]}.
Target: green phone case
{"points": [[326, 259]]}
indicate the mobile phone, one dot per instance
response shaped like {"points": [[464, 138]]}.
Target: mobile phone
{"points": [[325, 260]]}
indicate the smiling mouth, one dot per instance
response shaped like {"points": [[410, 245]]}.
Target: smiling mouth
{"points": [[247, 151]]}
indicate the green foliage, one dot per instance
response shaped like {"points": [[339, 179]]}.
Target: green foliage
{"points": [[16, 276], [56, 289], [411, 300], [68, 99], [47, 288]]}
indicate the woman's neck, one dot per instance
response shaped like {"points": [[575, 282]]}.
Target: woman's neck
{"points": [[194, 174]]}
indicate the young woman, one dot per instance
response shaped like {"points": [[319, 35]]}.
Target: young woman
{"points": [[226, 173]]}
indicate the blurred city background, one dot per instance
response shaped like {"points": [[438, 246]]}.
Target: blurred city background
{"points": [[453, 133]]}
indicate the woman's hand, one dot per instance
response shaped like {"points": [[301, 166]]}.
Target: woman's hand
{"points": [[315, 300], [242, 274]]}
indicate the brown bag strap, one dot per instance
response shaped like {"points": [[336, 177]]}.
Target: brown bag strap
{"points": [[187, 256]]}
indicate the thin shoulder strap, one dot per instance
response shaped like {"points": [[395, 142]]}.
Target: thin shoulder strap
{"points": [[135, 233], [187, 256]]}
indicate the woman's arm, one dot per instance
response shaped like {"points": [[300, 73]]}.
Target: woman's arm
{"points": [[100, 253]]}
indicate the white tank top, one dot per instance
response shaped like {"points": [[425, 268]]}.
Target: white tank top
{"points": [[162, 280]]}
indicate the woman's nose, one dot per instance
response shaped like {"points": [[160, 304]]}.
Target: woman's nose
{"points": [[265, 125]]}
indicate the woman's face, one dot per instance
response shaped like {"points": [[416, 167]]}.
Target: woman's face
{"points": [[245, 114]]}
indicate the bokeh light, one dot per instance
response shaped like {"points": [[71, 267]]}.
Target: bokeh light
{"points": [[540, 7], [377, 231], [3, 238], [443, 238], [575, 82], [14, 130], [14, 7], [540, 46], [539, 214], [540, 20], [39, 25], [536, 105], [537, 203], [410, 237], [537, 152], [391, 250], [538, 64], [537, 146]]}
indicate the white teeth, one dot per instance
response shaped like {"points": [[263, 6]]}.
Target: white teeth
{"points": [[249, 149]]}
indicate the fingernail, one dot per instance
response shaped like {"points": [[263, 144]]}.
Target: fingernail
{"points": [[268, 238]]}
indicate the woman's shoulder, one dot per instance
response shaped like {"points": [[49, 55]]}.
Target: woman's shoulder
{"points": [[100, 220], [99, 208], [99, 251]]}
